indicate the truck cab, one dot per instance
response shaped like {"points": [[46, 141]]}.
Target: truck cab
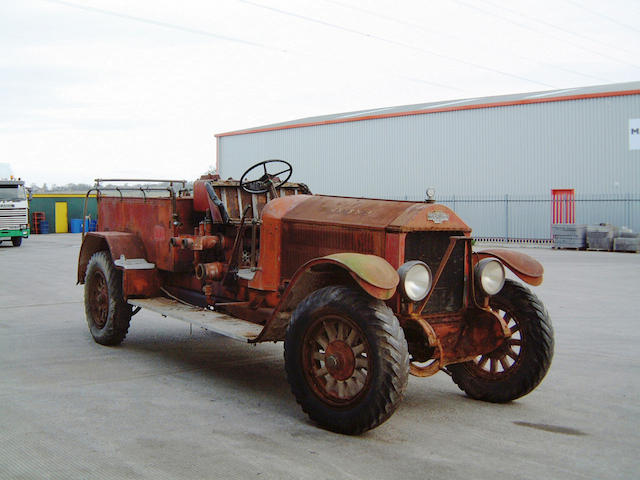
{"points": [[14, 211]]}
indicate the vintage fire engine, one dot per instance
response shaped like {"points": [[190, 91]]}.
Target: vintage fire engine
{"points": [[363, 292]]}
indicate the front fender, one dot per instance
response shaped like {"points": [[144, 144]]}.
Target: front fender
{"points": [[371, 273], [374, 274], [528, 269]]}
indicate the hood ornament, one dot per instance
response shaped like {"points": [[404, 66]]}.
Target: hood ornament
{"points": [[438, 216]]}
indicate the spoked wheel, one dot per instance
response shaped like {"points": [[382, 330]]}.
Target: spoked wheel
{"points": [[98, 299], [108, 315], [336, 355], [521, 362], [503, 359], [346, 359]]}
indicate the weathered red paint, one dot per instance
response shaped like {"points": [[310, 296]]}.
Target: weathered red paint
{"points": [[154, 221], [140, 283], [305, 242], [117, 243], [318, 271], [268, 275]]}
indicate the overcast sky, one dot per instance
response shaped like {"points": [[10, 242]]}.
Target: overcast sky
{"points": [[139, 88]]}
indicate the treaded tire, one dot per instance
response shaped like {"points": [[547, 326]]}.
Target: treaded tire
{"points": [[368, 356], [108, 315], [532, 339], [16, 241]]}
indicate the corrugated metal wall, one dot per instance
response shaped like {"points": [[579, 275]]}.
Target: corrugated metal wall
{"points": [[509, 150]]}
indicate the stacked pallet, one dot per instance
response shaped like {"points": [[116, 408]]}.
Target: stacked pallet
{"points": [[627, 241], [569, 235], [603, 237], [600, 237]]}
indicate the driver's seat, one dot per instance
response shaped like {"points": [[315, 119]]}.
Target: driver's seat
{"points": [[205, 198]]}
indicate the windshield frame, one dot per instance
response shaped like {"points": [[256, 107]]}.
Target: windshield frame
{"points": [[13, 193]]}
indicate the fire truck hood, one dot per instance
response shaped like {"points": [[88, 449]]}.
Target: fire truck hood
{"points": [[389, 215]]}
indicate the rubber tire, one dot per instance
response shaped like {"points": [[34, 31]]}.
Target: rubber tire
{"points": [[536, 350], [389, 352], [16, 241], [119, 311]]}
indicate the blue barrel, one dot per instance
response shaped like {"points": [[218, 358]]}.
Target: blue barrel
{"points": [[43, 226], [75, 225], [93, 225]]}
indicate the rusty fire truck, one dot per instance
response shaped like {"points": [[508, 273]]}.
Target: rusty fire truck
{"points": [[363, 292]]}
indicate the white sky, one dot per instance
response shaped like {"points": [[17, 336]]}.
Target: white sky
{"points": [[139, 88]]}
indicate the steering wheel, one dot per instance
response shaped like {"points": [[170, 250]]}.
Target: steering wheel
{"points": [[268, 182]]}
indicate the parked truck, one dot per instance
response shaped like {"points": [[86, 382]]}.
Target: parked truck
{"points": [[14, 212], [363, 292]]}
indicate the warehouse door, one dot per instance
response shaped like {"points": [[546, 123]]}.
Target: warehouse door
{"points": [[563, 206], [62, 224]]}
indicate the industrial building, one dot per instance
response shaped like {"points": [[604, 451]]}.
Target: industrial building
{"points": [[60, 211], [511, 165]]}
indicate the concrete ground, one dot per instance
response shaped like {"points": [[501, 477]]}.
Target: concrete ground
{"points": [[171, 404]]}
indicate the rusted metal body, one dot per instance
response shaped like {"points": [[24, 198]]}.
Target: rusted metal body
{"points": [[255, 258], [363, 292]]}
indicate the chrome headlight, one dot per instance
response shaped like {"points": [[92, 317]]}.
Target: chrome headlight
{"points": [[415, 280], [490, 275]]}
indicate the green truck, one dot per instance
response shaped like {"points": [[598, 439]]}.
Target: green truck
{"points": [[14, 212]]}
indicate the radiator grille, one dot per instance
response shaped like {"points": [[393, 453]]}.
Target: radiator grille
{"points": [[430, 247], [305, 242], [12, 218]]}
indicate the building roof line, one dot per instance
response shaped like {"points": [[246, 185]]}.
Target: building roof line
{"points": [[63, 195], [340, 118]]}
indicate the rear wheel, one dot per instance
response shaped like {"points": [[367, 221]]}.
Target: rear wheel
{"points": [[346, 359], [16, 241], [108, 315], [521, 362]]}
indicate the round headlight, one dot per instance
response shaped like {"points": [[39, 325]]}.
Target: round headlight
{"points": [[415, 280], [490, 275]]}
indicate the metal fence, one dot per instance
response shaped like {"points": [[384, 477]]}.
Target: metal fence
{"points": [[528, 219]]}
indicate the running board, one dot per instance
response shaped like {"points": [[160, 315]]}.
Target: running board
{"points": [[214, 321]]}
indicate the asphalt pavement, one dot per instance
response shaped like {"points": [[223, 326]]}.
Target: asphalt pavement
{"points": [[173, 402]]}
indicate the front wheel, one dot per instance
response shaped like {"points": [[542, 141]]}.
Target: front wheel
{"points": [[108, 314], [346, 359], [16, 241], [521, 362]]}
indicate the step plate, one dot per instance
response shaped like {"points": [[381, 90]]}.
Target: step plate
{"points": [[214, 321]]}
